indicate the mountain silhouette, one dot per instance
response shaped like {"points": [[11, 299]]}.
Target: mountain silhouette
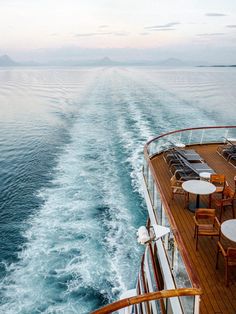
{"points": [[6, 61]]}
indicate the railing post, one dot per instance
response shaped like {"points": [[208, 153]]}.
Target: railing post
{"points": [[161, 215], [203, 133], [153, 194], [190, 137], [226, 133], [147, 174], [171, 247], [197, 300]]}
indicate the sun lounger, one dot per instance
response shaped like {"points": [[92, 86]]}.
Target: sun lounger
{"points": [[232, 160], [227, 150]]}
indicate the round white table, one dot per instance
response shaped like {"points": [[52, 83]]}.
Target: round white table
{"points": [[228, 229], [198, 187]]}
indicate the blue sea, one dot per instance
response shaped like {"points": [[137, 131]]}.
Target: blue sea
{"points": [[71, 153]]}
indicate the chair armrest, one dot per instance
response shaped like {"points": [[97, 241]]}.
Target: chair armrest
{"points": [[179, 183], [195, 221], [225, 200], [222, 249], [217, 222], [221, 201]]}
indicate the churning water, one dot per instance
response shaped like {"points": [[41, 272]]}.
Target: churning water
{"points": [[71, 143]]}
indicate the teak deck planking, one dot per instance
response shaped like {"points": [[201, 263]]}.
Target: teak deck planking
{"points": [[216, 298]]}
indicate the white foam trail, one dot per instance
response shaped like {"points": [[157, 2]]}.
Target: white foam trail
{"points": [[83, 235], [81, 246]]}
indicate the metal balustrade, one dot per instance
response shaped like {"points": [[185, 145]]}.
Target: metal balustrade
{"points": [[192, 136]]}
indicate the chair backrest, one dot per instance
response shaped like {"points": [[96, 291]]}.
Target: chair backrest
{"points": [[218, 179], [173, 181], [186, 167], [205, 213], [232, 149], [228, 192], [234, 186]]}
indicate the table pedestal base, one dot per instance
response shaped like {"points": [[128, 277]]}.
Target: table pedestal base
{"points": [[194, 205]]}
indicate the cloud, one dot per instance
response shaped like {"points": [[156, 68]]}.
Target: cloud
{"points": [[163, 29], [231, 26], [144, 34], [121, 34], [103, 26], [215, 14], [92, 34], [210, 34], [101, 34], [163, 26]]}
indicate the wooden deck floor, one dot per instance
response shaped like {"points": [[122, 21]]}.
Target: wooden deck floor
{"points": [[217, 298]]}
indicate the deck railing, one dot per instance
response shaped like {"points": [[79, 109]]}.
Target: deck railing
{"points": [[142, 299], [169, 254], [181, 269], [190, 136]]}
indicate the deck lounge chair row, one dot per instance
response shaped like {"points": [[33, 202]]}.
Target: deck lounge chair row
{"points": [[228, 152], [185, 164]]}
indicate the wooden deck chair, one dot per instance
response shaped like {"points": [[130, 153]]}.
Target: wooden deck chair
{"points": [[219, 180], [206, 224], [227, 201], [229, 254]]}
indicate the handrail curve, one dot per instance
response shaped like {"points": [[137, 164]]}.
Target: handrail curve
{"points": [[189, 129], [151, 296]]}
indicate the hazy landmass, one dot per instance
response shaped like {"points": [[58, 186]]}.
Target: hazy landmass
{"points": [[218, 66], [6, 61]]}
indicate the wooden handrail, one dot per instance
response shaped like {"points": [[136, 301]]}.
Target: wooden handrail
{"points": [[151, 296]]}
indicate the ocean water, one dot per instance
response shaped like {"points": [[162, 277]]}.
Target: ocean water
{"points": [[71, 143]]}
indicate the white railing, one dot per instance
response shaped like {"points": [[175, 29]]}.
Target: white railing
{"points": [[192, 136]]}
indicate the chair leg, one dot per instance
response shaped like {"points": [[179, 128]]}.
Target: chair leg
{"points": [[186, 200], [226, 273], [197, 241], [217, 257], [221, 210], [233, 209]]}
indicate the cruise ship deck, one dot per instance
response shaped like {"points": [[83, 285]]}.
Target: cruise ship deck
{"points": [[216, 298]]}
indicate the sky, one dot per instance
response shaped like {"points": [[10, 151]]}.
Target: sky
{"points": [[44, 30]]}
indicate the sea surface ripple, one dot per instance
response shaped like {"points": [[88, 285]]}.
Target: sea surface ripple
{"points": [[71, 146]]}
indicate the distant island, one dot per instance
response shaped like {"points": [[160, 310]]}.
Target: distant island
{"points": [[6, 61], [217, 66]]}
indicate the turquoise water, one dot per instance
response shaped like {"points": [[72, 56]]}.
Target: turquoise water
{"points": [[71, 145]]}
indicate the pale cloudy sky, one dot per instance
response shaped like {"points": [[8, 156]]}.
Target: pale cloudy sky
{"points": [[122, 29]]}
